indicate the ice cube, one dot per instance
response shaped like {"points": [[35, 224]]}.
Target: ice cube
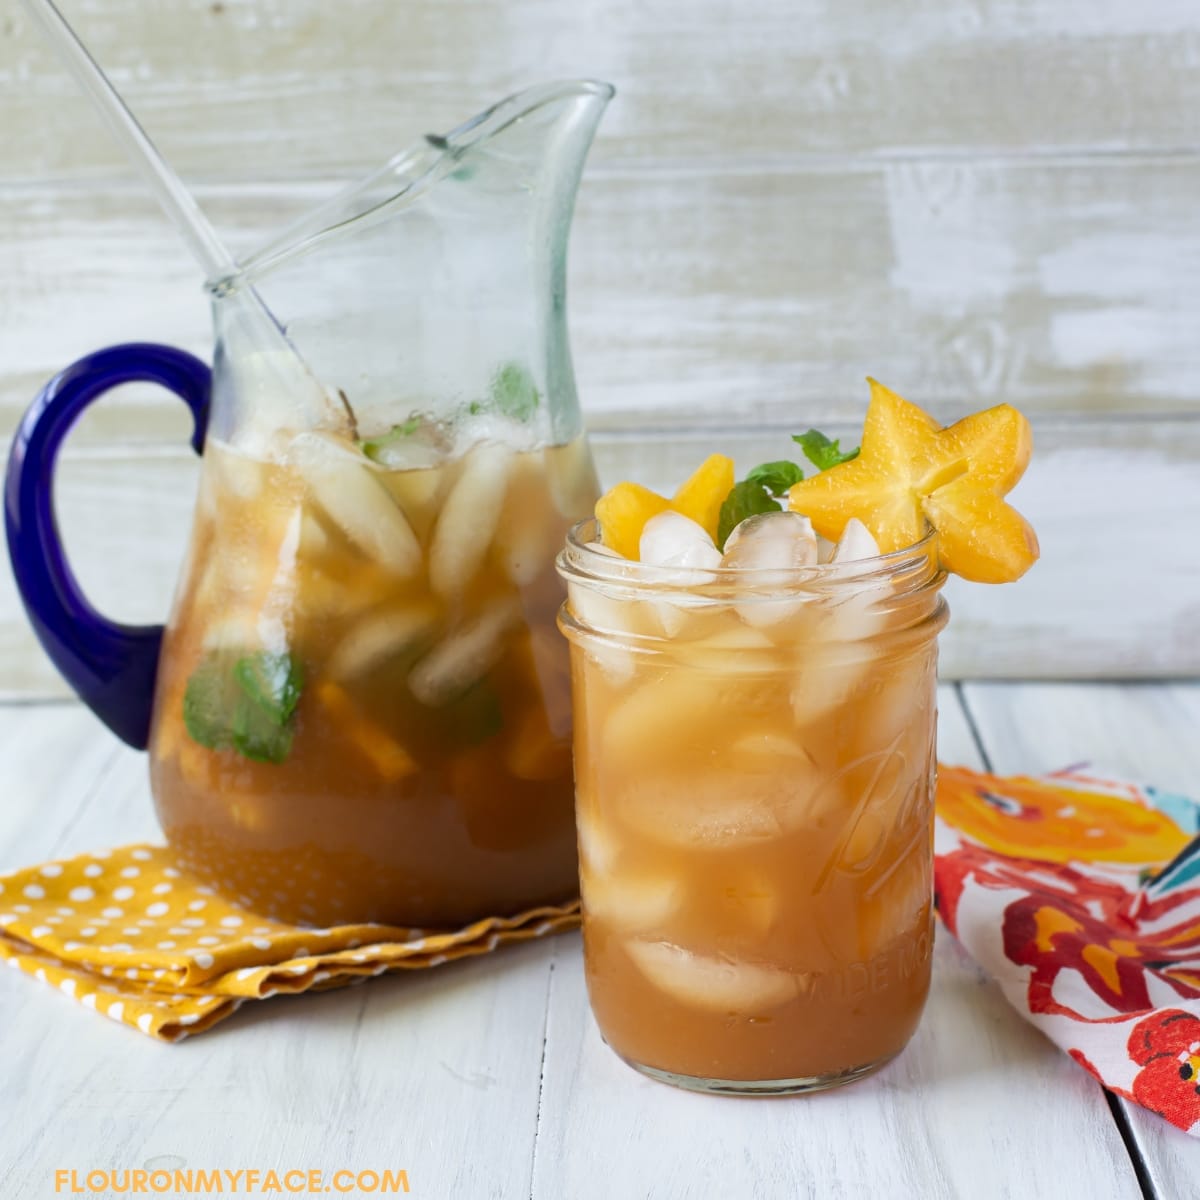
{"points": [[766, 745], [545, 661], [257, 591], [668, 706], [419, 494], [773, 546], [733, 648], [234, 630], [632, 903], [670, 617], [822, 685], [525, 551], [857, 616], [418, 443], [468, 520], [571, 475], [323, 594], [896, 902], [615, 618], [529, 533], [898, 698], [610, 618], [715, 984], [314, 540], [596, 608], [856, 543], [713, 810], [597, 847], [351, 495], [739, 797], [860, 613], [232, 472], [468, 654], [378, 637], [490, 427], [775, 541], [673, 540]]}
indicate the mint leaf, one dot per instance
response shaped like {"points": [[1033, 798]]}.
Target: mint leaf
{"points": [[822, 452], [256, 735], [776, 477], [374, 447], [207, 701], [244, 702], [513, 392], [746, 499], [272, 681]]}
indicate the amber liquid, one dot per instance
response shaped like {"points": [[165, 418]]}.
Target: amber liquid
{"points": [[428, 780], [755, 823]]}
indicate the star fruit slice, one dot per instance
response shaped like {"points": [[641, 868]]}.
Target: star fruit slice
{"points": [[911, 474], [624, 509]]}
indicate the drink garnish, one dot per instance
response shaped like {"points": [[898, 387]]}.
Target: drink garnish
{"points": [[821, 451], [244, 702], [272, 681], [376, 447], [909, 475], [777, 477], [701, 495], [912, 474], [624, 510], [513, 393]]}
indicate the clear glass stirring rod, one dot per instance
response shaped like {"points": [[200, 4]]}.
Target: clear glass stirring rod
{"points": [[191, 222]]}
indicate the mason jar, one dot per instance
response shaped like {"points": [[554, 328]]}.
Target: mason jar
{"points": [[755, 767]]}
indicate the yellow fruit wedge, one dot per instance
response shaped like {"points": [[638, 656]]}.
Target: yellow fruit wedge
{"points": [[701, 496], [623, 512], [911, 474]]}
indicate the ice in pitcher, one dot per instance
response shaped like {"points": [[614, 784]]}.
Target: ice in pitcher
{"points": [[754, 671], [365, 713]]}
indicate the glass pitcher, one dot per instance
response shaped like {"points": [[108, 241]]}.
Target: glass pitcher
{"points": [[360, 707]]}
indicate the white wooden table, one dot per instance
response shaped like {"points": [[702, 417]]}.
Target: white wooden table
{"points": [[487, 1078]]}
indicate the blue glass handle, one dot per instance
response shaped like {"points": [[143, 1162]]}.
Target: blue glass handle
{"points": [[111, 666]]}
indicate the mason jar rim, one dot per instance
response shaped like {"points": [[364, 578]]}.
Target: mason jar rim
{"points": [[912, 568]]}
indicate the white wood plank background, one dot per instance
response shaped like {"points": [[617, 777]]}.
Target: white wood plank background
{"points": [[700, 292], [975, 200], [488, 1078], [702, 78]]}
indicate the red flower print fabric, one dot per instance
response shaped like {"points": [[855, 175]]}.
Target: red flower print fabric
{"points": [[1080, 895]]}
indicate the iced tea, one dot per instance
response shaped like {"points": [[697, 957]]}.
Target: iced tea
{"points": [[754, 772], [363, 712]]}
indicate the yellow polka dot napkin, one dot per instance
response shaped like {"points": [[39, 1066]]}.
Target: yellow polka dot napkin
{"points": [[128, 933]]}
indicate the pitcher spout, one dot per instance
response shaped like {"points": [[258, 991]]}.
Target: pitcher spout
{"points": [[428, 288], [541, 134]]}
